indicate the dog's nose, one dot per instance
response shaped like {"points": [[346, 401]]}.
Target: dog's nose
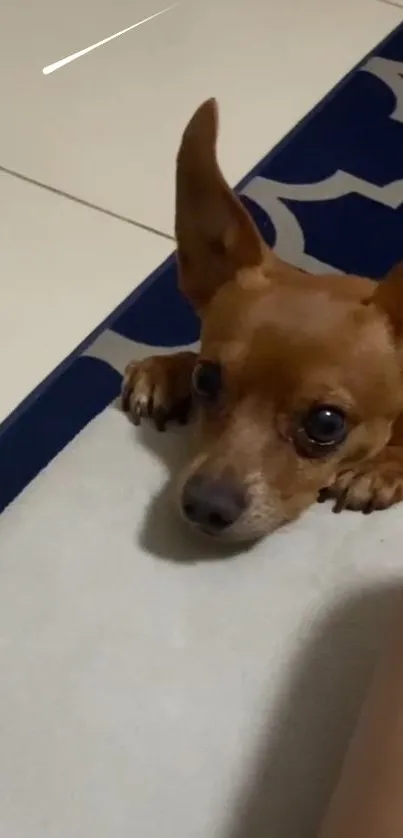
{"points": [[213, 505]]}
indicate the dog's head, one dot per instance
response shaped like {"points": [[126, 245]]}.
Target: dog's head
{"points": [[297, 374]]}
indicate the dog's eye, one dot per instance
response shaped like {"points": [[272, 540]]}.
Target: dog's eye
{"points": [[207, 380], [325, 425]]}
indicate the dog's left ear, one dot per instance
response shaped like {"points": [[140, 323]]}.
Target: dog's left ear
{"points": [[215, 234], [388, 298]]}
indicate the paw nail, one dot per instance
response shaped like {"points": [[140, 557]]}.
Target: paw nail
{"points": [[125, 399], [160, 419], [324, 495], [137, 413], [340, 503], [369, 507]]}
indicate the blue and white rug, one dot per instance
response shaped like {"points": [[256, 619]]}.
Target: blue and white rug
{"points": [[144, 692]]}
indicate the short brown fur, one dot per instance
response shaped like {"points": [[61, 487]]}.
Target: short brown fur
{"points": [[284, 341]]}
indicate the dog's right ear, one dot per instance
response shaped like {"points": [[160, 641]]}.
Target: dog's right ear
{"points": [[215, 234]]}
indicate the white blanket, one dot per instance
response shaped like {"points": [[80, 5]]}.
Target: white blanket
{"points": [[150, 689]]}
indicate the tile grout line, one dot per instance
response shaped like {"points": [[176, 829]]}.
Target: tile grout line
{"points": [[60, 192], [396, 5]]}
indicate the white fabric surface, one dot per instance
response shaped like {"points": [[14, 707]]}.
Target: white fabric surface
{"points": [[149, 688]]}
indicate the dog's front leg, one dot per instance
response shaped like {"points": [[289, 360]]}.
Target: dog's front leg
{"points": [[159, 388], [372, 484]]}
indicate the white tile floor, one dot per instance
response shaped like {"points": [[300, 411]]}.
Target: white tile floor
{"points": [[107, 126], [104, 733], [64, 268]]}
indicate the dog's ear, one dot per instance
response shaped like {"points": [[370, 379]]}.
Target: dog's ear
{"points": [[216, 236], [388, 298]]}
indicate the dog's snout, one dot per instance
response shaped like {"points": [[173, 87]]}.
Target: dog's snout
{"points": [[212, 505]]}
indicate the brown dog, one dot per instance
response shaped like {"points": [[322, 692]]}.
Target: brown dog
{"points": [[298, 383]]}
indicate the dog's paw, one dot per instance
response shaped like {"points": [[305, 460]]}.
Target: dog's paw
{"points": [[159, 388], [372, 485]]}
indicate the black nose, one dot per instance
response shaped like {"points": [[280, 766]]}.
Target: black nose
{"points": [[213, 505]]}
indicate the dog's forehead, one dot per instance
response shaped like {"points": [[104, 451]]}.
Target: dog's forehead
{"points": [[289, 314], [310, 342], [311, 312]]}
